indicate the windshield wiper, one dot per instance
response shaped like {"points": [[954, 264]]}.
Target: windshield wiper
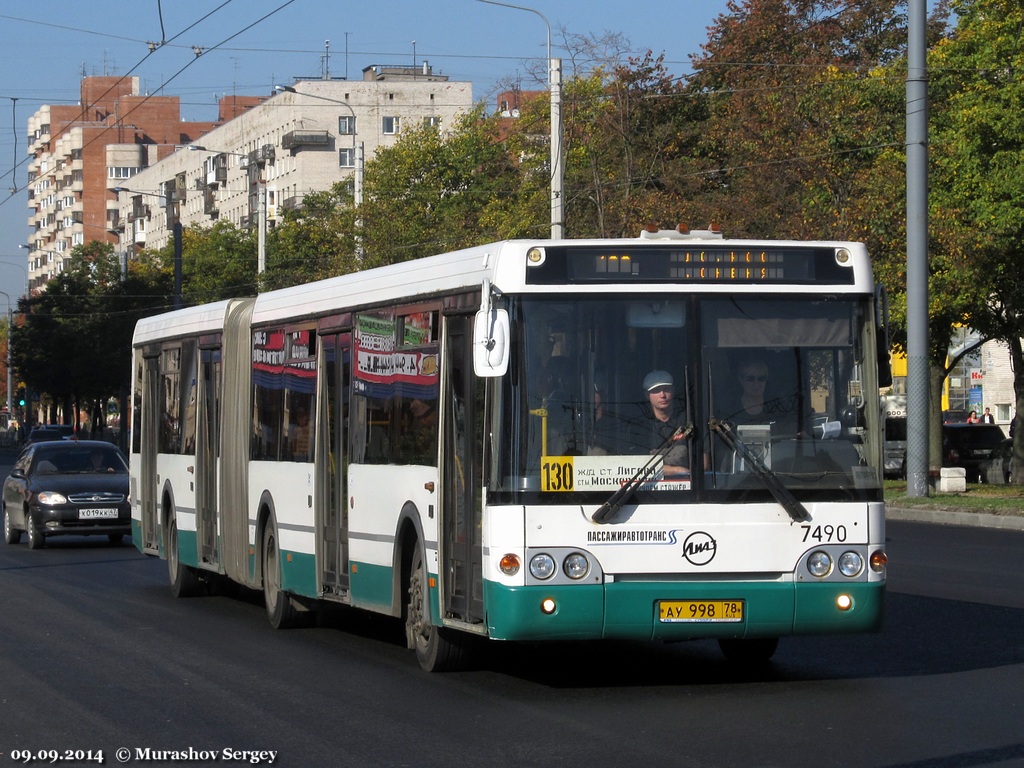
{"points": [[642, 475], [771, 480]]}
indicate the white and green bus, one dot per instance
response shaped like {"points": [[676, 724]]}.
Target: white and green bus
{"points": [[470, 442]]}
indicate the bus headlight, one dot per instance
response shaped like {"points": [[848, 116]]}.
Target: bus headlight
{"points": [[542, 566], [819, 564], [851, 564], [576, 566]]}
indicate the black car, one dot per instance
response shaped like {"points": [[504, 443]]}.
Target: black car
{"points": [[969, 446], [44, 434], [67, 487]]}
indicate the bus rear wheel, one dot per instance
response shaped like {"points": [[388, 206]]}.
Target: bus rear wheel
{"points": [[436, 649], [281, 607], [184, 580]]}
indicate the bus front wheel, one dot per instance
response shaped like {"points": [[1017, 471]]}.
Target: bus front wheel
{"points": [[436, 650]]}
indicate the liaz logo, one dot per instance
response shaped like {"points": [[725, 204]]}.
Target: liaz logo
{"points": [[699, 548]]}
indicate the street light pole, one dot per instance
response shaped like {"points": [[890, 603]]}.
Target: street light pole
{"points": [[557, 152], [176, 233], [357, 150], [261, 214]]}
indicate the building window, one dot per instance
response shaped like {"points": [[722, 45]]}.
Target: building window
{"points": [[432, 122], [347, 125], [347, 157], [391, 125]]}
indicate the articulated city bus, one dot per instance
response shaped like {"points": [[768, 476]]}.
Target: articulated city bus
{"points": [[665, 438]]}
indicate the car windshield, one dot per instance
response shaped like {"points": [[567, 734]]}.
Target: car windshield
{"points": [[79, 459]]}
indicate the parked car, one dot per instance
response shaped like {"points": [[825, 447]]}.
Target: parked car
{"points": [[969, 446], [997, 469], [59, 487]]}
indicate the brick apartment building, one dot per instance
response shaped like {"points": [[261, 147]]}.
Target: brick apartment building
{"points": [[79, 150]]}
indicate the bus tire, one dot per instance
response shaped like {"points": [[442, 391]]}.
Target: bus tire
{"points": [[752, 652], [184, 580], [437, 650], [282, 609]]}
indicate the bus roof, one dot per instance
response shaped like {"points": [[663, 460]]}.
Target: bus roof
{"points": [[504, 264], [190, 321]]}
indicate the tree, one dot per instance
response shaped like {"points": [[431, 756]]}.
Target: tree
{"points": [[315, 241], [434, 191], [978, 189], [74, 344], [798, 111]]}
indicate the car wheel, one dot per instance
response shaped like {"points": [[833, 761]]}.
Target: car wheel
{"points": [[36, 538], [11, 534]]}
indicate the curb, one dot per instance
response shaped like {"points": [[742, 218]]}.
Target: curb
{"points": [[953, 517]]}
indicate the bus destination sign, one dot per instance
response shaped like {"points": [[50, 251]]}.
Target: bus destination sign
{"points": [[691, 265]]}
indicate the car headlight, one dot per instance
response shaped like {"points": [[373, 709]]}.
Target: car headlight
{"points": [[542, 566], [51, 498], [819, 564]]}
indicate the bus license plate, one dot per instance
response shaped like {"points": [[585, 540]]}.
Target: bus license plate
{"points": [[700, 611], [97, 514]]}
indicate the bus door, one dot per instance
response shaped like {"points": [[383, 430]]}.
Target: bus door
{"points": [[208, 455], [149, 429], [332, 461], [462, 459]]}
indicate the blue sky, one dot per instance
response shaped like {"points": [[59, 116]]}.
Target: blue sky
{"points": [[248, 46]]}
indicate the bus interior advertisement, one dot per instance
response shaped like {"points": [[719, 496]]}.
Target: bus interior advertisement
{"points": [[756, 387]]}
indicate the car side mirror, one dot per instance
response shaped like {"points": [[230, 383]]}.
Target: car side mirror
{"points": [[18, 472]]}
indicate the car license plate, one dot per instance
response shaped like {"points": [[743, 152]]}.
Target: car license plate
{"points": [[102, 513], [700, 611]]}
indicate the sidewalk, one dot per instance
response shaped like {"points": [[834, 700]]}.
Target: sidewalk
{"points": [[957, 517]]}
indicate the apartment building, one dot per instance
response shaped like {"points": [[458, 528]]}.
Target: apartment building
{"points": [[304, 138], [79, 151]]}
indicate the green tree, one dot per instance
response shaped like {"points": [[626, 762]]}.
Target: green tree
{"points": [[977, 187], [433, 191], [315, 241], [75, 338]]}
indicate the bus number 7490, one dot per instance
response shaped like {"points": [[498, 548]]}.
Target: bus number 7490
{"points": [[824, 533]]}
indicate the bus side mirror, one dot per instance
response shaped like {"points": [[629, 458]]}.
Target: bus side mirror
{"points": [[490, 342]]}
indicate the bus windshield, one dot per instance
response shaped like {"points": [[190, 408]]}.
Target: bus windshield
{"points": [[688, 398]]}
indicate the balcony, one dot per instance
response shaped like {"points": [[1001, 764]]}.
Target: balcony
{"points": [[306, 138]]}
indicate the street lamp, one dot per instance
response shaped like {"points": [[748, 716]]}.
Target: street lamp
{"points": [[175, 229], [555, 86], [261, 226], [357, 149], [10, 375]]}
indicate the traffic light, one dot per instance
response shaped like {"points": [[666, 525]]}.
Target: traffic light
{"points": [[21, 397]]}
